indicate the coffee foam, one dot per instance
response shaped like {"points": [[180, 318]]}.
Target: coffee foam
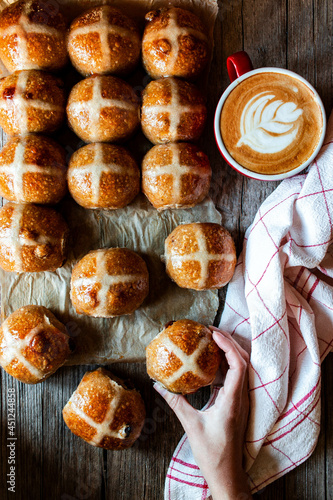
{"points": [[271, 123]]}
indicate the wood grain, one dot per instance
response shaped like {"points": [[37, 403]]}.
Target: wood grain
{"points": [[53, 463]]}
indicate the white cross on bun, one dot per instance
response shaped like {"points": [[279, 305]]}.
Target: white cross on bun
{"points": [[104, 412], [183, 357], [103, 109], [103, 176], [109, 282], [174, 44], [33, 344], [111, 36], [33, 170], [31, 101], [172, 110], [33, 238], [32, 36], [200, 256], [175, 175]]}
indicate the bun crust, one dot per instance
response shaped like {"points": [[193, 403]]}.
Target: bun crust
{"points": [[174, 44], [175, 176], [109, 282], [31, 101], [183, 357], [33, 170], [103, 412], [103, 109], [32, 36], [103, 176], [32, 238], [112, 38], [200, 256], [33, 344], [172, 110]]}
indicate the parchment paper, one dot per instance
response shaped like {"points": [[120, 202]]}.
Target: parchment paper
{"points": [[143, 229], [139, 227]]}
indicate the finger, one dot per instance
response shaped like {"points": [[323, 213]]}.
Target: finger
{"points": [[179, 404], [242, 351], [235, 377]]}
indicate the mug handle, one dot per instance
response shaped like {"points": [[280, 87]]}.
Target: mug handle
{"points": [[238, 64]]}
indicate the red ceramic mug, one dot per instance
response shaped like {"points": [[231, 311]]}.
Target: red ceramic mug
{"points": [[240, 68]]}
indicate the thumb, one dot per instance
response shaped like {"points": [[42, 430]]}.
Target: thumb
{"points": [[179, 404]]}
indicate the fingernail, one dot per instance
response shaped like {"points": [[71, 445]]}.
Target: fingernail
{"points": [[160, 388]]}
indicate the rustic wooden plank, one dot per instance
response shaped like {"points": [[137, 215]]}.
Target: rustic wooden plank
{"points": [[29, 438], [323, 49], [327, 390], [53, 463], [77, 465]]}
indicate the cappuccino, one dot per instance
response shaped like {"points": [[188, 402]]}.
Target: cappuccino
{"points": [[271, 123]]}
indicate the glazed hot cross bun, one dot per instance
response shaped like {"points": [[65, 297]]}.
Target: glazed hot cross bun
{"points": [[109, 282], [172, 110], [104, 412], [108, 34], [200, 256], [33, 344], [175, 175], [174, 44], [103, 176], [103, 109], [32, 36], [183, 357], [31, 101], [33, 170], [32, 238]]}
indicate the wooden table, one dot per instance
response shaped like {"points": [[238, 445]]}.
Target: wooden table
{"points": [[54, 464]]}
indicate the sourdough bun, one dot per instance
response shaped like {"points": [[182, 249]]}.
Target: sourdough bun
{"points": [[33, 170], [103, 176], [174, 44], [103, 109], [200, 256], [31, 101], [32, 238], [33, 344], [109, 282], [104, 412], [111, 36], [32, 36], [183, 357], [175, 175], [172, 110]]}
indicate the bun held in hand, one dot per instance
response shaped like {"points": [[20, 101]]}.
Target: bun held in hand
{"points": [[183, 357]]}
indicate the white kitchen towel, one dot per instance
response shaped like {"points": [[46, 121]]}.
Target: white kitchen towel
{"points": [[279, 306]]}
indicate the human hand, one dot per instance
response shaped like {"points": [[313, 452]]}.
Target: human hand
{"points": [[216, 435]]}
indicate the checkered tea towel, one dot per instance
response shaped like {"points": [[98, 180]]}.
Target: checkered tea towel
{"points": [[279, 306]]}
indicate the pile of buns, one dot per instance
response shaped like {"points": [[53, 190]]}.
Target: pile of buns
{"points": [[104, 110]]}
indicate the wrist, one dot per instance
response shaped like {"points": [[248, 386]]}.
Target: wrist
{"points": [[231, 485]]}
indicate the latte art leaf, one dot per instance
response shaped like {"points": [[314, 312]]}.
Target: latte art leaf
{"points": [[268, 125]]}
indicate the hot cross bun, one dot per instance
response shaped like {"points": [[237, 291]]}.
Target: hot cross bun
{"points": [[175, 175], [172, 110], [109, 282], [32, 36], [112, 38], [103, 109], [104, 412], [31, 101], [33, 344], [103, 176], [33, 170], [174, 44], [32, 238], [183, 357], [200, 256]]}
